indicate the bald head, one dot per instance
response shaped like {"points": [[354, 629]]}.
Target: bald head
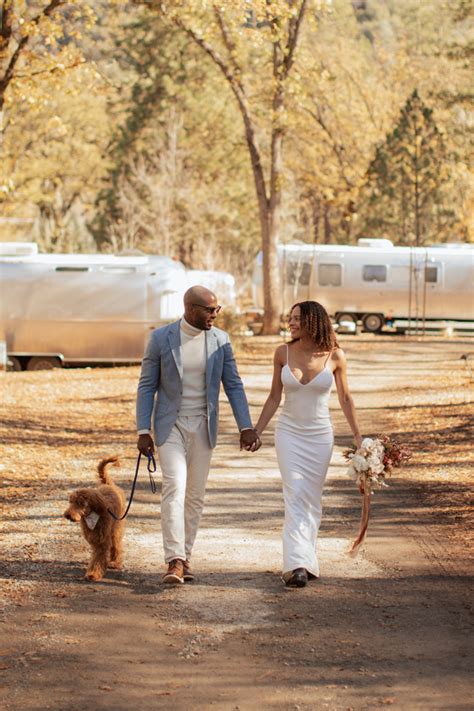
{"points": [[200, 295], [200, 307]]}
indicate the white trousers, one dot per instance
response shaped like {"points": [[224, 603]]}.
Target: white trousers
{"points": [[185, 459]]}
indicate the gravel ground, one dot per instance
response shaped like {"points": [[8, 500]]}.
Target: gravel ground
{"points": [[390, 628]]}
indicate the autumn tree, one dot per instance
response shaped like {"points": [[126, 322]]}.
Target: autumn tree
{"points": [[429, 44], [32, 40], [56, 123], [244, 46], [348, 98], [406, 180], [178, 182]]}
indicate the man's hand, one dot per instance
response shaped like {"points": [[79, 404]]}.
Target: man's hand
{"points": [[250, 441], [145, 444]]}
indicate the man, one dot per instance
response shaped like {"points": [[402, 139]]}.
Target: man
{"points": [[182, 369]]}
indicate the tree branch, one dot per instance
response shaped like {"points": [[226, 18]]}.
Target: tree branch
{"points": [[336, 148], [9, 71], [6, 28], [294, 27], [229, 44], [75, 64], [239, 94]]}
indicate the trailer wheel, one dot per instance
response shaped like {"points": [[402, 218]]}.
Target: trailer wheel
{"points": [[373, 323], [43, 363], [346, 317], [14, 364]]}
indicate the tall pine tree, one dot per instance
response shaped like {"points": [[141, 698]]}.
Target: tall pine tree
{"points": [[404, 198]]}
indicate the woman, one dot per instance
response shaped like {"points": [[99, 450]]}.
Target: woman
{"points": [[305, 370]]}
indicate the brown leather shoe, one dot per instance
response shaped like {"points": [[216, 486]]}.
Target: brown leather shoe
{"points": [[188, 573], [175, 573]]}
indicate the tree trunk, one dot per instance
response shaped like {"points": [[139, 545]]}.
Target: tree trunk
{"points": [[327, 225], [271, 275], [269, 205], [316, 217], [417, 204], [269, 215]]}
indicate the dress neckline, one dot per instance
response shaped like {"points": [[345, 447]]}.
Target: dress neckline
{"points": [[315, 377]]}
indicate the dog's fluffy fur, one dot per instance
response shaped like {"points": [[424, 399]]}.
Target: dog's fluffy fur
{"points": [[105, 538]]}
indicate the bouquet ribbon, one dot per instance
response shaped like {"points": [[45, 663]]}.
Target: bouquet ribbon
{"points": [[364, 524]]}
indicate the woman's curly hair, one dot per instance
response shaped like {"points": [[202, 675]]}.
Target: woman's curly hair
{"points": [[315, 320]]}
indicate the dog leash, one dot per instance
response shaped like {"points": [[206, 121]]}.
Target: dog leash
{"points": [[151, 469]]}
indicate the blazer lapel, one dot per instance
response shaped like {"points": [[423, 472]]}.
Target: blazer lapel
{"points": [[174, 340], [211, 347]]}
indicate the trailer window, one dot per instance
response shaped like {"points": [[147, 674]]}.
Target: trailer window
{"points": [[300, 272], [329, 274], [72, 269], [374, 272], [431, 275]]}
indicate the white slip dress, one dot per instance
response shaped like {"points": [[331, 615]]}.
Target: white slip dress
{"points": [[304, 441]]}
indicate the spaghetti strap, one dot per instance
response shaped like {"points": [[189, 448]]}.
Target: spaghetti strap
{"points": [[287, 355], [328, 356]]}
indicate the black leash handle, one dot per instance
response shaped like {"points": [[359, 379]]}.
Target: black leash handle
{"points": [[151, 468]]}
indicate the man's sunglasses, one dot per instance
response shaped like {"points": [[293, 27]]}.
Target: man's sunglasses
{"points": [[209, 309]]}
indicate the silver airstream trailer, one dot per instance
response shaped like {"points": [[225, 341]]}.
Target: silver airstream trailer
{"points": [[59, 309], [375, 282], [222, 283]]}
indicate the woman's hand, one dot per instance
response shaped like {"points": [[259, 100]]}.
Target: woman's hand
{"points": [[358, 441]]}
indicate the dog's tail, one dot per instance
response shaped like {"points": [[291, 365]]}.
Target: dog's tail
{"points": [[102, 468]]}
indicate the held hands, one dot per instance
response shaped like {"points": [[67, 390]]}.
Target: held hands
{"points": [[145, 444], [250, 441]]}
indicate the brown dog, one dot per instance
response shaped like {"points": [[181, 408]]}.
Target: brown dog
{"points": [[102, 532]]}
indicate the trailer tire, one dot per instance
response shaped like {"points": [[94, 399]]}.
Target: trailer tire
{"points": [[43, 363], [14, 364], [373, 323], [346, 316]]}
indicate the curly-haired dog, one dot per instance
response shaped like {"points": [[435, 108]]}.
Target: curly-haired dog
{"points": [[104, 534]]}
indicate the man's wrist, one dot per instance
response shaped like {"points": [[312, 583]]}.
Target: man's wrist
{"points": [[247, 429], [143, 432]]}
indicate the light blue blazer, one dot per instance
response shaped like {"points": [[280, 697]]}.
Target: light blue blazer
{"points": [[160, 386]]}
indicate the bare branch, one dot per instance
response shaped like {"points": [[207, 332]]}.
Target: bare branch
{"points": [[75, 64], [335, 146], [363, 97]]}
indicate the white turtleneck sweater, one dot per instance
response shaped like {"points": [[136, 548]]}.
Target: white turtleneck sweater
{"points": [[194, 359]]}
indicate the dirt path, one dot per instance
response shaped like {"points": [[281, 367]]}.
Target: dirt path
{"points": [[390, 628]]}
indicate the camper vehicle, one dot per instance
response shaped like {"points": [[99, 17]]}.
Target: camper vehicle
{"points": [[59, 309], [377, 283], [221, 283]]}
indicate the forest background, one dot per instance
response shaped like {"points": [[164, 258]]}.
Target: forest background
{"points": [[206, 130]]}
